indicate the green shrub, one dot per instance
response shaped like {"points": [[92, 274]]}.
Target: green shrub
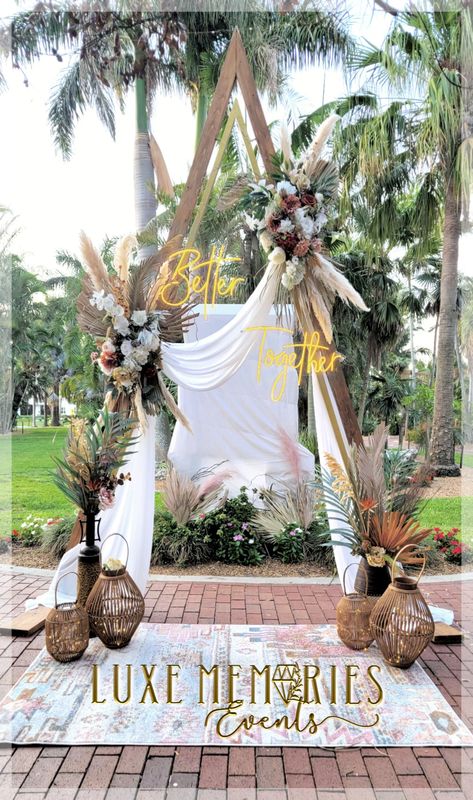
{"points": [[178, 544], [56, 536], [288, 545], [231, 531]]}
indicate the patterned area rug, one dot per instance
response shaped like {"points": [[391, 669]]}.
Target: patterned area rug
{"points": [[229, 684]]}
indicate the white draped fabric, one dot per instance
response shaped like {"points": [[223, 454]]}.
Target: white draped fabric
{"points": [[237, 423], [199, 366]]}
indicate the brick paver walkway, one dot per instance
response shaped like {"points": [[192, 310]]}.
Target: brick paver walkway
{"points": [[236, 773]]}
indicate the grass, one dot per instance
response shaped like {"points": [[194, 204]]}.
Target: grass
{"points": [[449, 512], [31, 489]]}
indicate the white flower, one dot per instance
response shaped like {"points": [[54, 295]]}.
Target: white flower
{"points": [[97, 299], [109, 302], [251, 222], [287, 281], [126, 347], [117, 310], [319, 197], [286, 226], [121, 325], [149, 339], [139, 317], [277, 256], [285, 187], [130, 364], [266, 240], [320, 220], [304, 222], [108, 346], [140, 354]]}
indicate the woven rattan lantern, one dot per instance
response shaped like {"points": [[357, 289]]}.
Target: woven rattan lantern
{"points": [[67, 629], [115, 606], [401, 621], [353, 617]]}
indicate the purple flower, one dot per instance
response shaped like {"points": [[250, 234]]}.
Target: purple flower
{"points": [[245, 526], [238, 538]]}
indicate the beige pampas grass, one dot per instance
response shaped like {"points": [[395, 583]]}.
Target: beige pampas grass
{"points": [[95, 266], [285, 144], [336, 282], [123, 251], [317, 146]]}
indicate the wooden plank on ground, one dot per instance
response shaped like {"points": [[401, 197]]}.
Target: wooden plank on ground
{"points": [[446, 634], [25, 624]]}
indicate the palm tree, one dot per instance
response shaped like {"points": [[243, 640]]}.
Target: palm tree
{"points": [[422, 56]]}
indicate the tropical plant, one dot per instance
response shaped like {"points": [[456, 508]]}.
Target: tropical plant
{"points": [[88, 473], [57, 535], [376, 519], [174, 543], [188, 499], [423, 60]]}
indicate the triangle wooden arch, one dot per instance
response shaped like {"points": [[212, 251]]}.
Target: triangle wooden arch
{"points": [[236, 69]]}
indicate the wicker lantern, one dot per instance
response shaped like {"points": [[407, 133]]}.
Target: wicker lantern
{"points": [[401, 621], [115, 606], [353, 617], [67, 629]]}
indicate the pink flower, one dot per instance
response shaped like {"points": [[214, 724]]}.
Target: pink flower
{"points": [[106, 498], [301, 248], [245, 526], [238, 538], [290, 203], [316, 245]]}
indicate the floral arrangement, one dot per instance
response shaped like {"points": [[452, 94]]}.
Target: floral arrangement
{"points": [[289, 215], [378, 518], [122, 312], [450, 544], [90, 470]]}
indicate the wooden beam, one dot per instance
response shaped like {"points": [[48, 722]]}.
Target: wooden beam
{"points": [[25, 624], [212, 126], [249, 91]]}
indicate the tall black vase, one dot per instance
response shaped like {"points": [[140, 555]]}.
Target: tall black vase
{"points": [[89, 557], [372, 581]]}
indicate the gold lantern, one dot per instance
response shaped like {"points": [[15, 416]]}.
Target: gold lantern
{"points": [[115, 605], [353, 617], [66, 629], [401, 621]]}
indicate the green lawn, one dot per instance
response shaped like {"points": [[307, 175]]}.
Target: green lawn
{"points": [[33, 490]]}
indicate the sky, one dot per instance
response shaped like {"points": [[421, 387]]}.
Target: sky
{"points": [[54, 199]]}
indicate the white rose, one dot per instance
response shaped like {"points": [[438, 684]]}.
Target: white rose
{"points": [[121, 325], [319, 197], [277, 256], [266, 241], [126, 347], [139, 317], [287, 281], [286, 226], [145, 337], [140, 355]]}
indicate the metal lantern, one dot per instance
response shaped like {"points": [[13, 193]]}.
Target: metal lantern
{"points": [[67, 629], [115, 606], [401, 621], [353, 617]]}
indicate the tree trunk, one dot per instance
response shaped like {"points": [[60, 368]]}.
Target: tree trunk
{"points": [[18, 395], [145, 211], [434, 352], [442, 441], [364, 393], [55, 421], [145, 198], [45, 398]]}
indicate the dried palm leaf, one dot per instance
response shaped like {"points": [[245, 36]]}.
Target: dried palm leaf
{"points": [[89, 318], [370, 466], [163, 178], [336, 282], [393, 530], [233, 193], [185, 499], [285, 145]]}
